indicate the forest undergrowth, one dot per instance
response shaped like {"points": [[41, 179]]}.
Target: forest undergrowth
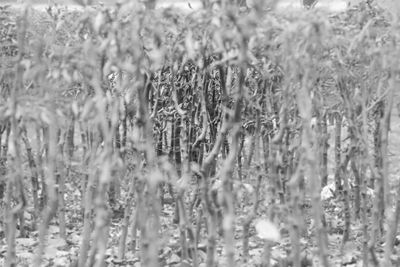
{"points": [[221, 137]]}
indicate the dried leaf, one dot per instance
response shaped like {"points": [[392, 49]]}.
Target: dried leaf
{"points": [[327, 192], [249, 188], [98, 21], [268, 231]]}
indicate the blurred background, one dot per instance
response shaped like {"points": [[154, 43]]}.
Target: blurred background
{"points": [[331, 5]]}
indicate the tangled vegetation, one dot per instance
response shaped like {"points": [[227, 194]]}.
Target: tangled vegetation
{"points": [[221, 137]]}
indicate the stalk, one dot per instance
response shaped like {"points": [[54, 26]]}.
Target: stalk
{"points": [[51, 205], [34, 176], [304, 105], [125, 222], [391, 216], [323, 128], [338, 152], [15, 182], [87, 213]]}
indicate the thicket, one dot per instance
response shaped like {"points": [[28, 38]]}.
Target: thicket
{"points": [[164, 138]]}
